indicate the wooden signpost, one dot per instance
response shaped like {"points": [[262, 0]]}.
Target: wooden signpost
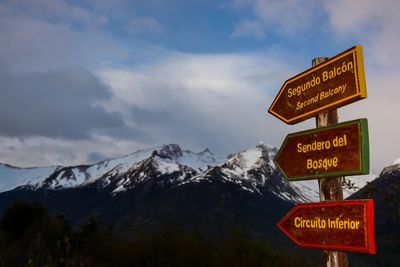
{"points": [[332, 84], [346, 226], [337, 150], [327, 153]]}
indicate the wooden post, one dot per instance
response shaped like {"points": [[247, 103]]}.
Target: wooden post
{"points": [[330, 189]]}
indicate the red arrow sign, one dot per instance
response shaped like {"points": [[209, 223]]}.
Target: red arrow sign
{"points": [[337, 150], [336, 82], [343, 226]]}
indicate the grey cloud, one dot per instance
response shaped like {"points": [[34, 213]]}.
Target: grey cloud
{"points": [[59, 104], [181, 122], [177, 120], [32, 44], [96, 157], [127, 133]]}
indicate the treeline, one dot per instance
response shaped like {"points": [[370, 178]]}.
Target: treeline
{"points": [[30, 236]]}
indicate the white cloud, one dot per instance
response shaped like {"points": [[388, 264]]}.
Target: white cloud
{"points": [[31, 44], [43, 151], [286, 17], [144, 24], [216, 101], [50, 34], [375, 23], [249, 28], [361, 15]]}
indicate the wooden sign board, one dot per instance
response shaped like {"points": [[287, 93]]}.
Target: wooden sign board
{"points": [[337, 150], [336, 82], [343, 226]]}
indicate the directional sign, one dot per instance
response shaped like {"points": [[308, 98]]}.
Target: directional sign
{"points": [[336, 82], [343, 226], [341, 149]]}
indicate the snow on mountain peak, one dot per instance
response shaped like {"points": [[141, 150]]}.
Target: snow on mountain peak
{"points": [[249, 168], [164, 160], [246, 159], [171, 151], [198, 161], [253, 157], [252, 169], [169, 158], [394, 168], [12, 177]]}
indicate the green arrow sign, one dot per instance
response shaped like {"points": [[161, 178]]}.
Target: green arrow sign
{"points": [[337, 150]]}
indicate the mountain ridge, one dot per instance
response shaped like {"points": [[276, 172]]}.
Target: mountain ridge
{"points": [[158, 188], [249, 167], [169, 186]]}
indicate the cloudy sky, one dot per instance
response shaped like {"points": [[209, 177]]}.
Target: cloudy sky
{"points": [[81, 81]]}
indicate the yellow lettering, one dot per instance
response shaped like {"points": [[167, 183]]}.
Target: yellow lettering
{"points": [[297, 222], [301, 104], [290, 93], [349, 66], [335, 162], [340, 141], [325, 76], [314, 146], [324, 163], [299, 148], [343, 224], [309, 164]]}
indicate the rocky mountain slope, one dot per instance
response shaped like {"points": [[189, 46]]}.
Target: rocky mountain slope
{"points": [[251, 169], [165, 185]]}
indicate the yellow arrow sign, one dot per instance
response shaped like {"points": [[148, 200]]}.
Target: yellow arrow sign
{"points": [[336, 82]]}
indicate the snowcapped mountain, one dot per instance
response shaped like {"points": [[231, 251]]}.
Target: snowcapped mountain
{"points": [[162, 160], [12, 177], [392, 169], [252, 169], [396, 162], [167, 185]]}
